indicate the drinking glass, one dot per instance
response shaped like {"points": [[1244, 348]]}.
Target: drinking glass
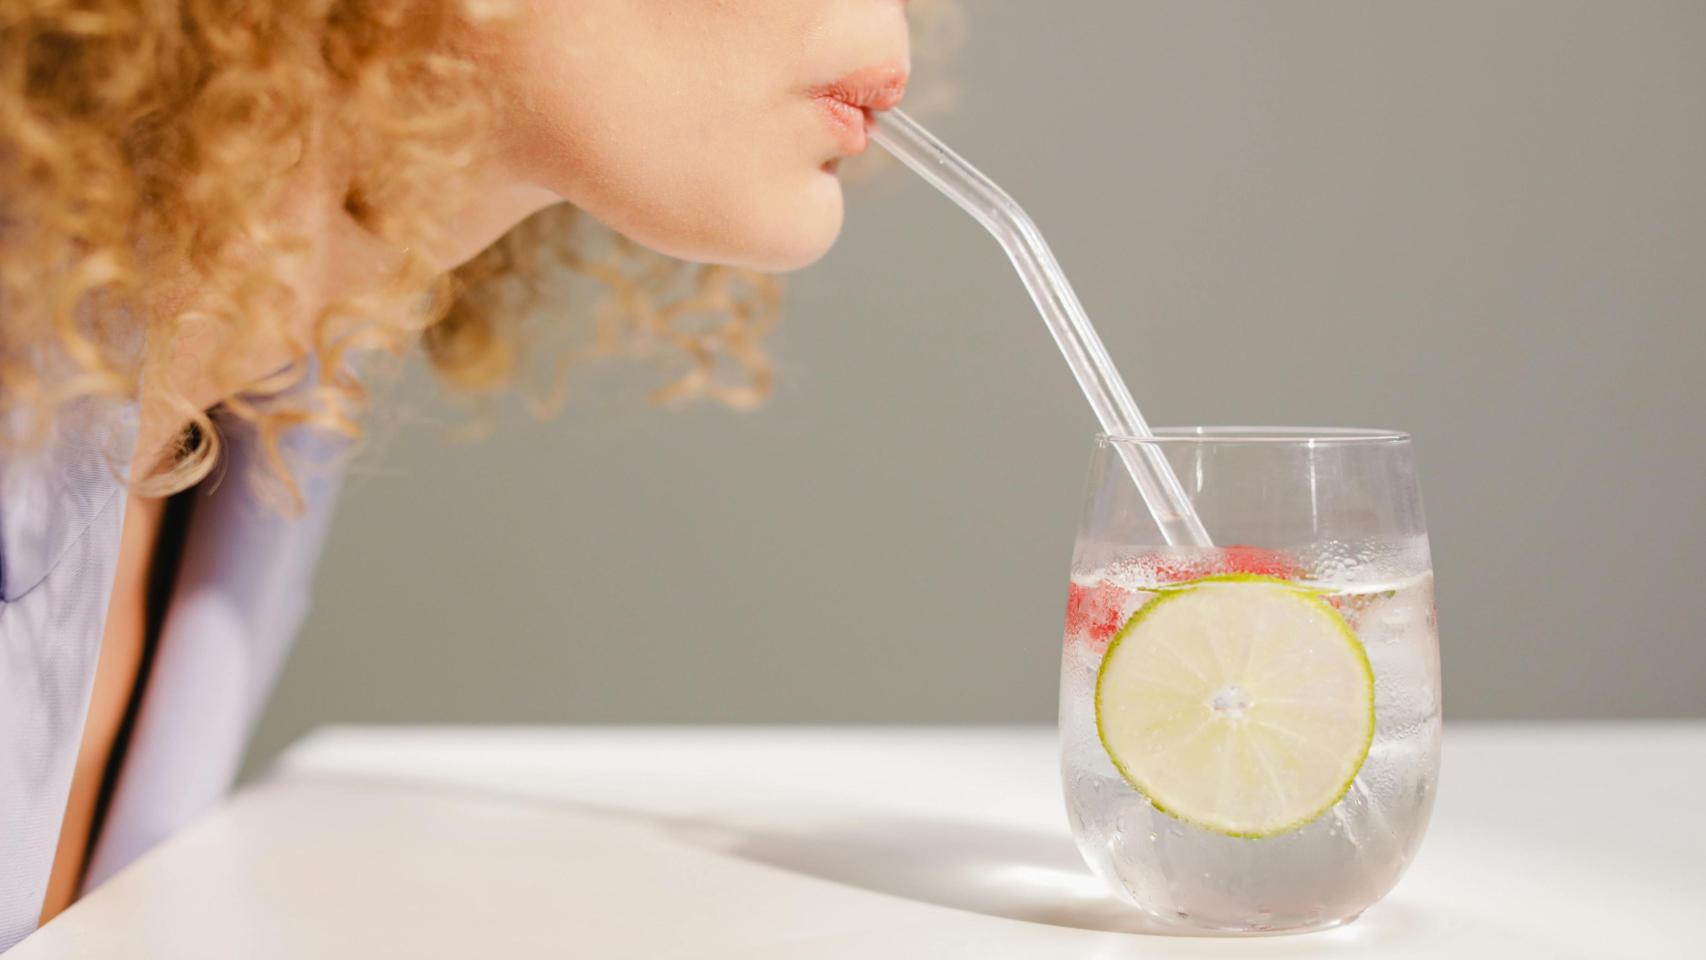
{"points": [[1250, 732]]}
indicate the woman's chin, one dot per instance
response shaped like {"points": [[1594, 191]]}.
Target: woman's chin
{"points": [[793, 232], [777, 233], [788, 254]]}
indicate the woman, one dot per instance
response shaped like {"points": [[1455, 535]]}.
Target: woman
{"points": [[209, 210]]}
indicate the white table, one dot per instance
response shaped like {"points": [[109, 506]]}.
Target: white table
{"points": [[1548, 842]]}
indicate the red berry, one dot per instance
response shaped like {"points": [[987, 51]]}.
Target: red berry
{"points": [[1225, 560], [1257, 560], [1095, 613]]}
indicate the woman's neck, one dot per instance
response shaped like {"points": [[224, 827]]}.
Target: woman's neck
{"points": [[340, 260]]}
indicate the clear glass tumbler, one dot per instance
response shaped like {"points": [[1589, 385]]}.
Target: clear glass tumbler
{"points": [[1250, 732]]}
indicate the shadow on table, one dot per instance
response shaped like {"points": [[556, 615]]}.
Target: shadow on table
{"points": [[1001, 872], [988, 869], [983, 868], [1012, 873]]}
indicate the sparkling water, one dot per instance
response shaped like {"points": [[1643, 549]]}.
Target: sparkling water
{"points": [[1319, 874]]}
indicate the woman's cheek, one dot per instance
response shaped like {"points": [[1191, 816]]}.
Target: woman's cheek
{"points": [[708, 176]]}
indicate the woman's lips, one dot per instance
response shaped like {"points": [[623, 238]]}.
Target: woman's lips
{"points": [[848, 103], [847, 122]]}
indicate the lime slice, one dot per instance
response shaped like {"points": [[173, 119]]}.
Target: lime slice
{"points": [[1240, 703]]}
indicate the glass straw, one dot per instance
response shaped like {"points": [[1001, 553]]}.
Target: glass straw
{"points": [[945, 170]]}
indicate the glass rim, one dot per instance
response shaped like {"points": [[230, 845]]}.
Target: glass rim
{"points": [[1308, 436]]}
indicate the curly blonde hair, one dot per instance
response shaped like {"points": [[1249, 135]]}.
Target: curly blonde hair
{"points": [[144, 147]]}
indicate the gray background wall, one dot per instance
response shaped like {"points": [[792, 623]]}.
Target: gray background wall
{"points": [[1483, 222]]}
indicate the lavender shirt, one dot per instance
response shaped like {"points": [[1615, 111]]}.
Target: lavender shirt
{"points": [[239, 598]]}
